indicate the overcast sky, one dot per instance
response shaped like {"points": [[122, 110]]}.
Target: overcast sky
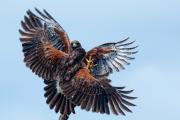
{"points": [[154, 74]]}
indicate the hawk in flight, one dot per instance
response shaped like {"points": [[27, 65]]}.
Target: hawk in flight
{"points": [[74, 77]]}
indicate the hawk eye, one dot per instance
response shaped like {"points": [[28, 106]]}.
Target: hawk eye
{"points": [[74, 45]]}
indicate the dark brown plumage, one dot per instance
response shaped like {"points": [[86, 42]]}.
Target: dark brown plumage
{"points": [[74, 77]]}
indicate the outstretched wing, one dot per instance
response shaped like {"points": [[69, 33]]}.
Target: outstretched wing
{"points": [[109, 56], [54, 32], [45, 44], [96, 95]]}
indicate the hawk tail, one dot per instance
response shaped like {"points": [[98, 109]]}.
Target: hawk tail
{"points": [[57, 101], [64, 116]]}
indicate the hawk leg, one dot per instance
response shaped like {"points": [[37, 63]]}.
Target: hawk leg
{"points": [[63, 117], [90, 63]]}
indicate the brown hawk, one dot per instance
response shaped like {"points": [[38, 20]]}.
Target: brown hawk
{"points": [[74, 77]]}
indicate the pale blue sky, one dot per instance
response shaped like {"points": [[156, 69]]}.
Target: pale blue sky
{"points": [[154, 74]]}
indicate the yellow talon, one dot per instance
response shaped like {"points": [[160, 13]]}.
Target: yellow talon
{"points": [[90, 62]]}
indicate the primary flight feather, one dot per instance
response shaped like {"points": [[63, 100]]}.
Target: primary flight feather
{"points": [[74, 77]]}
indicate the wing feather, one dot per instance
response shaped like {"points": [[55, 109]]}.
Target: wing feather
{"points": [[94, 94], [113, 55], [45, 44]]}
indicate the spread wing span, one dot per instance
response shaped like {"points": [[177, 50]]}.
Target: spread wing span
{"points": [[110, 56], [45, 44], [97, 95]]}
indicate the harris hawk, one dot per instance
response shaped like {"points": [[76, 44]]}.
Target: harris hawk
{"points": [[72, 76]]}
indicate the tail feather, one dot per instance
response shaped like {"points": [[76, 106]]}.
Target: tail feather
{"points": [[57, 100], [64, 117]]}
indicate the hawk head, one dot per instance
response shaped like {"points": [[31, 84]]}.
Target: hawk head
{"points": [[75, 44]]}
